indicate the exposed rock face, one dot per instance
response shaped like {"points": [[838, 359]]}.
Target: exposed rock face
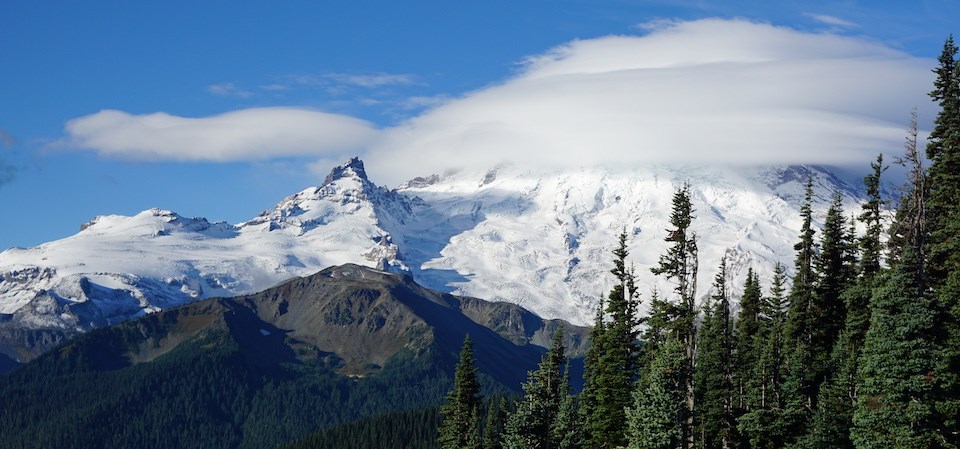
{"points": [[531, 237]]}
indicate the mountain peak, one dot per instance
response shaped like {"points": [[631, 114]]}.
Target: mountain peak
{"points": [[352, 168]]}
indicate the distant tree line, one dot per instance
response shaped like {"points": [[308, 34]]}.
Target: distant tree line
{"points": [[862, 350]]}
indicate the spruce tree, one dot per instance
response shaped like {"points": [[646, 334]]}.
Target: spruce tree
{"points": [[546, 388], [801, 332], [658, 413], [460, 428], [760, 424], [942, 249], [748, 347], [613, 360], [714, 370], [679, 265], [566, 431], [870, 244], [895, 387], [943, 150], [835, 264], [494, 423]]}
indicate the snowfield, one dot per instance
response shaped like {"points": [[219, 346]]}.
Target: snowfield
{"points": [[537, 238]]}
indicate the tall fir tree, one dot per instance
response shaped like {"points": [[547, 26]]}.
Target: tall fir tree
{"points": [[747, 346], [544, 392], [833, 418], [679, 265], [872, 219], [760, 425], [460, 428], [494, 423], [895, 388], [801, 332], [566, 432], [943, 242], [714, 371], [613, 358], [835, 264], [656, 418]]}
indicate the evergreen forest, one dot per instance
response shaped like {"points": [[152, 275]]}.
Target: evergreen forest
{"points": [[860, 349]]}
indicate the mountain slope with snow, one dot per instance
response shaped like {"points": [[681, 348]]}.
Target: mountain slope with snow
{"points": [[537, 238]]}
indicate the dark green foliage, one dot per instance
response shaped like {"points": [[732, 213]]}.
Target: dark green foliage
{"points": [[748, 344], [895, 387], [804, 366], [613, 359], [658, 413], [943, 150], [680, 265], [566, 430], [460, 428], [206, 394], [714, 370], [942, 247], [870, 245], [760, 423], [836, 267], [494, 423], [531, 425], [415, 429]]}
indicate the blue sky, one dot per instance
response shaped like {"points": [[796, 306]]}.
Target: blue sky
{"points": [[371, 66]]}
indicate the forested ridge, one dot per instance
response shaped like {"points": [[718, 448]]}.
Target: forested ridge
{"points": [[860, 349]]}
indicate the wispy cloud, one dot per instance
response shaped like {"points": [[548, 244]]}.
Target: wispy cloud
{"points": [[832, 21], [370, 81], [708, 92], [229, 89], [341, 82], [248, 134], [421, 101]]}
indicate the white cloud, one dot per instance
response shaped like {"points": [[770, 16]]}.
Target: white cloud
{"points": [[228, 90], [832, 21], [709, 91], [248, 134], [371, 80], [340, 82]]}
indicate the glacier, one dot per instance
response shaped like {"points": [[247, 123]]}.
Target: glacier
{"points": [[540, 238]]}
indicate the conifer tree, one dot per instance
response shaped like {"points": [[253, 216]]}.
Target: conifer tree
{"points": [[566, 431], [680, 265], [590, 397], [760, 425], [460, 428], [531, 424], [833, 418], [714, 370], [835, 264], [493, 424], [870, 245], [801, 339], [895, 390], [658, 413], [943, 243], [748, 347], [613, 360]]}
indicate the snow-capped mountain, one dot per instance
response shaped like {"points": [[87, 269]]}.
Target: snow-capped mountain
{"points": [[538, 238]]}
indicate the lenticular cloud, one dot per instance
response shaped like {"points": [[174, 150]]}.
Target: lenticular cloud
{"points": [[247, 134], [709, 91]]}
